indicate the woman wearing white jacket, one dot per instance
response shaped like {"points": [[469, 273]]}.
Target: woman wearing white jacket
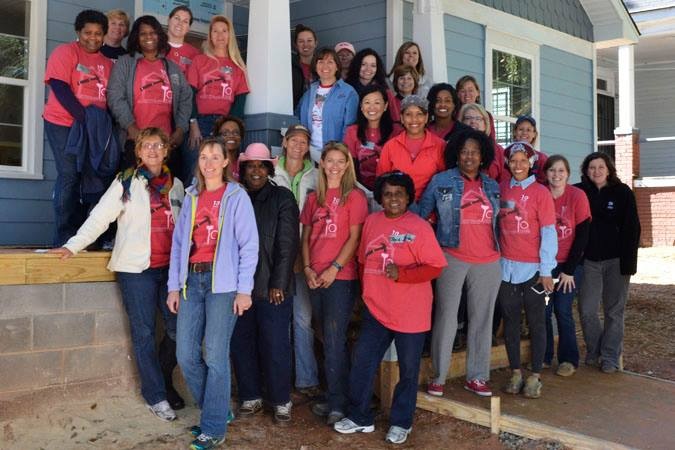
{"points": [[145, 201]]}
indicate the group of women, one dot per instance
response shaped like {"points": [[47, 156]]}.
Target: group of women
{"points": [[257, 244]]}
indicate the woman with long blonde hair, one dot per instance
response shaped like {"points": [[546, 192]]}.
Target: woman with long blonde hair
{"points": [[332, 219], [218, 79]]}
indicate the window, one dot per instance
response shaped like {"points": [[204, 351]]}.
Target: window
{"points": [[21, 93], [512, 82]]}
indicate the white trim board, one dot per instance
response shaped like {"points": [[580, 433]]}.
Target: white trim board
{"points": [[522, 28], [394, 29], [654, 182]]}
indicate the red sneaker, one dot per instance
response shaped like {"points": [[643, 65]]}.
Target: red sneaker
{"points": [[478, 387], [435, 389]]}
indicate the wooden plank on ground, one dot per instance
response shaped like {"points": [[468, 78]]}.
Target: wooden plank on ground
{"points": [[12, 271], [19, 266], [447, 407]]}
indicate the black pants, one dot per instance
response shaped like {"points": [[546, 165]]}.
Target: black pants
{"points": [[512, 298]]}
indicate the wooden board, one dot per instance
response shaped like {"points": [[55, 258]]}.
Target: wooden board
{"points": [[28, 267]]}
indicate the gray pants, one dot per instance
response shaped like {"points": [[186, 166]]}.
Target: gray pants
{"points": [[482, 285], [604, 283]]}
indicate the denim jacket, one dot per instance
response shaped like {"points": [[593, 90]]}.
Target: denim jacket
{"points": [[444, 195]]}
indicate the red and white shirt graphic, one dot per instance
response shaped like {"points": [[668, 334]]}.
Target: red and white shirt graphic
{"points": [[205, 227], [161, 230], [153, 96]]}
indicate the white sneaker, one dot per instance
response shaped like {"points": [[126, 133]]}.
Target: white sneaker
{"points": [[163, 411], [397, 435], [347, 426]]}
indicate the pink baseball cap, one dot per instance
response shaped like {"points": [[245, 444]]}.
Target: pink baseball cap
{"points": [[345, 46], [258, 152]]}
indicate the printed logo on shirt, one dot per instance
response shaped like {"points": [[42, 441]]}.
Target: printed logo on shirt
{"points": [[162, 207], [472, 215], [379, 252], [327, 219], [208, 221], [217, 84], [515, 215], [610, 205], [91, 82], [563, 224], [155, 88], [399, 238], [184, 60]]}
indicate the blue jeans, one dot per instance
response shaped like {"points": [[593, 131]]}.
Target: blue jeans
{"points": [[373, 342], [261, 350], [143, 293], [332, 308], [208, 317], [189, 155], [561, 304], [69, 212], [306, 371]]}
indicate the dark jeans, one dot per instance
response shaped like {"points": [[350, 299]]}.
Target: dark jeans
{"points": [[69, 213], [188, 156], [143, 293], [261, 350], [561, 303], [512, 298], [332, 309], [373, 342]]}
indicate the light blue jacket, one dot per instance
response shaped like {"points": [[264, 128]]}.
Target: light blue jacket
{"points": [[236, 254], [339, 110], [443, 194]]}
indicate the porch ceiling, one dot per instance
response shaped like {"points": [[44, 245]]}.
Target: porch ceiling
{"points": [[612, 24]]}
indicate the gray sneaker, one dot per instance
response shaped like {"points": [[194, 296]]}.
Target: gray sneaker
{"points": [[250, 407], [163, 411], [515, 384], [532, 387], [397, 435], [348, 426], [608, 367], [282, 413], [565, 369]]}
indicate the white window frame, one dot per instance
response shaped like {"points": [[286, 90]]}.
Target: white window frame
{"points": [[32, 140], [497, 40]]}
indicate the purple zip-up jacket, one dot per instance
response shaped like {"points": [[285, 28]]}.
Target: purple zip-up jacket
{"points": [[236, 255]]}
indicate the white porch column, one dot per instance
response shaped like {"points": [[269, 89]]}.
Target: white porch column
{"points": [[626, 88], [269, 58], [429, 33]]}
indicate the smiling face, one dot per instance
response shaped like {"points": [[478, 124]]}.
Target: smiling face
{"points": [[297, 146], [178, 26], [444, 105], [474, 119], [414, 119], [519, 165], [405, 84], [334, 164], [469, 158], [148, 39], [598, 172], [152, 153], [212, 163], [395, 200], [231, 135], [305, 44], [557, 175], [117, 29], [255, 175], [220, 37], [525, 132], [468, 92], [373, 106], [90, 37], [326, 68], [368, 69], [345, 57], [411, 57]]}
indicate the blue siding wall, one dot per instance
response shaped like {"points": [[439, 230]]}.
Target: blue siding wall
{"points": [[361, 22], [464, 49], [566, 105], [567, 16], [27, 216], [407, 21]]}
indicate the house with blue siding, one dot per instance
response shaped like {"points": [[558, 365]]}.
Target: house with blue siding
{"points": [[531, 57]]}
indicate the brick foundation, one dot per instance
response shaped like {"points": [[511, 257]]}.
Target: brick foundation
{"points": [[627, 155], [656, 208]]}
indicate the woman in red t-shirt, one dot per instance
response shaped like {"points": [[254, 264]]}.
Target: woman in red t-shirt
{"points": [[398, 257], [180, 52], [77, 74], [373, 127], [573, 224], [443, 108], [144, 200], [525, 130], [218, 79], [332, 219]]}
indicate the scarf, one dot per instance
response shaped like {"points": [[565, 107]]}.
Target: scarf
{"points": [[157, 185]]}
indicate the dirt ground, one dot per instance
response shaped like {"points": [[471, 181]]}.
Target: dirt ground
{"points": [[116, 419]]}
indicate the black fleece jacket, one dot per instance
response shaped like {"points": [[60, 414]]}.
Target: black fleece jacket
{"points": [[615, 225]]}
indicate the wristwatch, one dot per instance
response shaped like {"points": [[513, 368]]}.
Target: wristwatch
{"points": [[337, 265], [193, 120]]}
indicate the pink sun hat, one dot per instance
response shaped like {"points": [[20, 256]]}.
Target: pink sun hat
{"points": [[258, 152]]}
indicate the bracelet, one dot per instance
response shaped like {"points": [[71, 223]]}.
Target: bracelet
{"points": [[307, 267], [337, 265]]}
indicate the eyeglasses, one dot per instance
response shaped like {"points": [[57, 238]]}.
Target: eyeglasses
{"points": [[153, 145], [230, 134], [473, 119]]}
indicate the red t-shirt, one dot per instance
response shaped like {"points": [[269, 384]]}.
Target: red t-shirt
{"points": [[182, 56], [522, 214], [153, 106], [161, 231], [366, 154], [394, 106], [414, 146], [498, 170], [205, 229], [441, 132], [476, 239], [217, 81], [407, 241], [571, 209], [330, 228], [86, 73], [306, 72]]}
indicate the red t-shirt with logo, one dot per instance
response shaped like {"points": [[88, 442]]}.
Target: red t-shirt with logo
{"points": [[153, 106], [205, 228], [476, 239], [217, 81], [161, 230], [182, 56], [407, 241], [571, 209], [86, 73], [330, 228], [522, 214]]}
